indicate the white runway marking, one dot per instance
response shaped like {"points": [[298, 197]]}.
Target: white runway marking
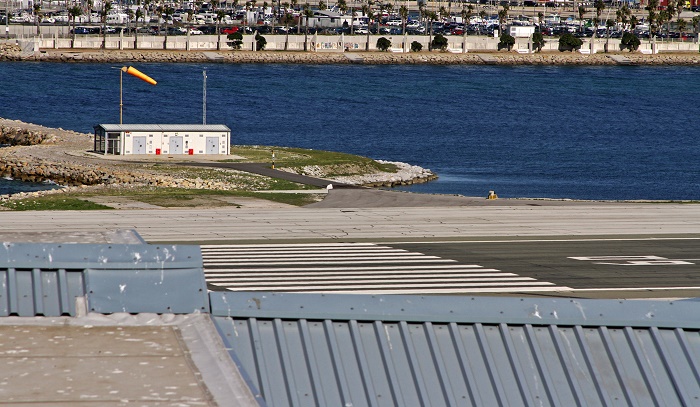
{"points": [[353, 268]]}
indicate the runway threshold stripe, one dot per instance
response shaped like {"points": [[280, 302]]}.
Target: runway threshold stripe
{"points": [[328, 258], [358, 279], [403, 273], [264, 287], [450, 290], [332, 250], [437, 267], [294, 245], [404, 255], [260, 263]]}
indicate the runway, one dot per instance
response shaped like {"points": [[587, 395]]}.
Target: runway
{"points": [[591, 250]]}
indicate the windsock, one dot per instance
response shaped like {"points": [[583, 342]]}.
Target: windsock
{"points": [[135, 72]]}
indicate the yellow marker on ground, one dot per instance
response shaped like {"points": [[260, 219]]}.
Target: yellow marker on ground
{"points": [[135, 72]]}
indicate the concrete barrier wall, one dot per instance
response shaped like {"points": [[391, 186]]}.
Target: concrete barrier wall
{"points": [[330, 43]]}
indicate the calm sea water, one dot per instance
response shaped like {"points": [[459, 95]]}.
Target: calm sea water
{"points": [[558, 132]]}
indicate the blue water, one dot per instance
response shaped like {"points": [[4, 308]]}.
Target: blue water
{"points": [[530, 131]]}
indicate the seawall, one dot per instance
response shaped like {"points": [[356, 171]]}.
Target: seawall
{"points": [[12, 52]]}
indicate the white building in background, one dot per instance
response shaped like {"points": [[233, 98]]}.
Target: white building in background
{"points": [[162, 139], [326, 19]]}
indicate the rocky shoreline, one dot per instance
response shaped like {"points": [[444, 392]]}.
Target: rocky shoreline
{"points": [[12, 52], [37, 154]]}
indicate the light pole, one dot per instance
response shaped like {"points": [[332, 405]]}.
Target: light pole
{"points": [[204, 97]]}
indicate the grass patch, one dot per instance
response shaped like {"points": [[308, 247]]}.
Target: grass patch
{"points": [[299, 157], [52, 203]]}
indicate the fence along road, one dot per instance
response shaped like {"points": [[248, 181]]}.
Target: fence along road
{"points": [[353, 268]]}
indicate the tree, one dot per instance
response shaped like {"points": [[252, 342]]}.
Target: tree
{"points": [[652, 6], [168, 12], [432, 16], [696, 24], [466, 16], [599, 7], [537, 41], [502, 17], [367, 10], [383, 44], [286, 20], [670, 10], [682, 26], [403, 12], [220, 14], [73, 13], [439, 42], [416, 46], [308, 13], [630, 41], [567, 42], [106, 8], [37, 17], [506, 41], [235, 40], [662, 18], [137, 15], [260, 42], [581, 13]]}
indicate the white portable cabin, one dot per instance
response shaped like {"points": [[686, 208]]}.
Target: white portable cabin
{"points": [[162, 139]]}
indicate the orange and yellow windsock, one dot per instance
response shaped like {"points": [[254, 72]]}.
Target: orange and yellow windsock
{"points": [[135, 72]]}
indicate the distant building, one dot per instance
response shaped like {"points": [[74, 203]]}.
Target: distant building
{"points": [[326, 19], [157, 139]]}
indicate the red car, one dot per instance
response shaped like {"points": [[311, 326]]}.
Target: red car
{"points": [[229, 30]]}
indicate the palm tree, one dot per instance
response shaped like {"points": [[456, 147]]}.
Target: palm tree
{"points": [[466, 14], [367, 10], [220, 14], [623, 14], [652, 5], [670, 11], [696, 24], [137, 15], [106, 8], [89, 4], [167, 11], [502, 17], [403, 12], [73, 12], [288, 18], [308, 13], [37, 17], [599, 7], [664, 17], [432, 16], [581, 13], [682, 25], [343, 7]]}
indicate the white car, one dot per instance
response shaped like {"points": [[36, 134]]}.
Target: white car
{"points": [[194, 31]]}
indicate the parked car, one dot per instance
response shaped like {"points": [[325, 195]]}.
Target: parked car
{"points": [[195, 31], [229, 30]]}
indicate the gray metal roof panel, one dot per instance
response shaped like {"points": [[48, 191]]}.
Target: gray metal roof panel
{"points": [[45, 278], [536, 311], [164, 127], [302, 349]]}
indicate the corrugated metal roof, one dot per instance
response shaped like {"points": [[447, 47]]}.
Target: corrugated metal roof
{"points": [[303, 349], [164, 127], [45, 278]]}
